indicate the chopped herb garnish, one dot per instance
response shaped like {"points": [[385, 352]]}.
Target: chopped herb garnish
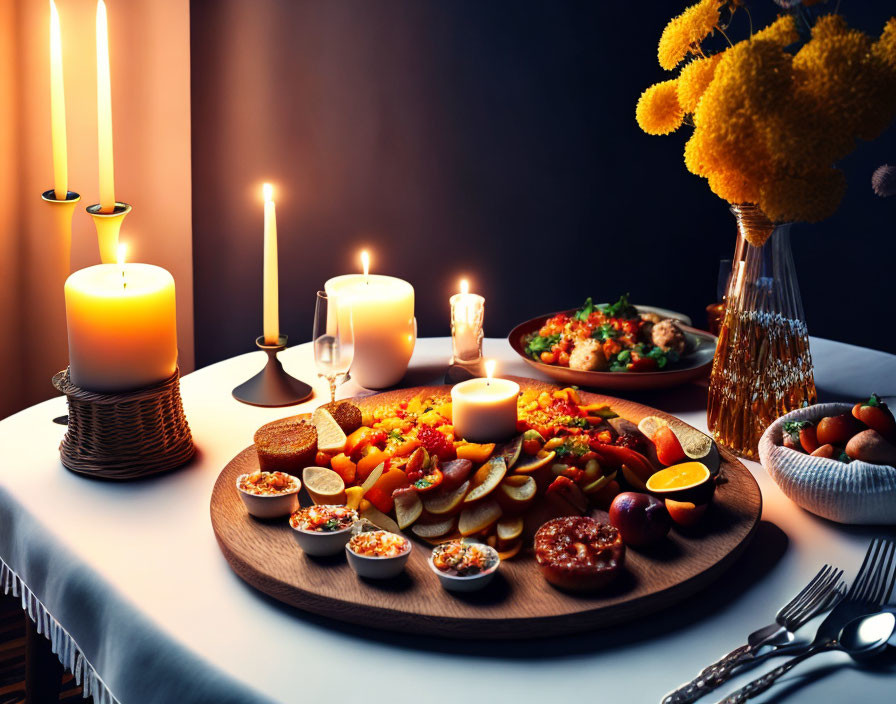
{"points": [[604, 332], [538, 344]]}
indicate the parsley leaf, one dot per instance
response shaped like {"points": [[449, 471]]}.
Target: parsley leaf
{"points": [[620, 309], [586, 310]]}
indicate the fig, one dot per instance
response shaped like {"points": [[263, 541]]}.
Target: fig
{"points": [[641, 519], [871, 446], [455, 473]]}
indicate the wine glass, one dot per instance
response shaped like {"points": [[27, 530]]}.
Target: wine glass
{"points": [[334, 342]]}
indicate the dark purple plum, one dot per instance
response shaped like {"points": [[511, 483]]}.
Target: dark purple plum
{"points": [[641, 519]]}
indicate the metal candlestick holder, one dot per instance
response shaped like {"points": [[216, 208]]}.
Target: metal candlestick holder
{"points": [[272, 386], [108, 225]]}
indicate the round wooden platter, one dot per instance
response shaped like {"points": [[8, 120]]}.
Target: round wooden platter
{"points": [[518, 603]]}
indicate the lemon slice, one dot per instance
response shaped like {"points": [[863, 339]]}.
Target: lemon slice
{"points": [[323, 485], [330, 437]]}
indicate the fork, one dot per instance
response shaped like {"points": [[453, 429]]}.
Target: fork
{"points": [[818, 595], [871, 589]]}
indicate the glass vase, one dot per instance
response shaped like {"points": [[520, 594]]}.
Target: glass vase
{"points": [[762, 367]]}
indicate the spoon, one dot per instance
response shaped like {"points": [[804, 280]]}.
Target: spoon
{"points": [[866, 636], [861, 638]]}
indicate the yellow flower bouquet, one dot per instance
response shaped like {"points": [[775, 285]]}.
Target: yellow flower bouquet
{"points": [[772, 114]]}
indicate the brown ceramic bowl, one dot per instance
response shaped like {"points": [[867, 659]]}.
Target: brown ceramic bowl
{"points": [[694, 364]]}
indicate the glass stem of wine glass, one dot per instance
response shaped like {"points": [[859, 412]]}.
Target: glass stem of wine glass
{"points": [[332, 380]]}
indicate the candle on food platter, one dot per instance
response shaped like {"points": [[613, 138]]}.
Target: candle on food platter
{"points": [[122, 326], [104, 111], [57, 108], [484, 410], [381, 310], [271, 292], [467, 312]]}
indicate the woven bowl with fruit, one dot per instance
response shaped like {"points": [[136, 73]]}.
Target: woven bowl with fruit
{"points": [[837, 460]]}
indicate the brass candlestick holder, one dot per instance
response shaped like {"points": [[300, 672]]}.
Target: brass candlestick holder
{"points": [[124, 435], [62, 211], [272, 386], [108, 225]]}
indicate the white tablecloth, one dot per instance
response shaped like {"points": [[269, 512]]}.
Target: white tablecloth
{"points": [[132, 573]]}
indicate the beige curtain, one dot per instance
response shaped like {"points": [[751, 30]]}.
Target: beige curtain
{"points": [[150, 58]]}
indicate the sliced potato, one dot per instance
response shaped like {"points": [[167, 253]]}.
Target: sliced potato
{"points": [[408, 507], [434, 530], [448, 503], [510, 529], [487, 479], [479, 518], [377, 517]]}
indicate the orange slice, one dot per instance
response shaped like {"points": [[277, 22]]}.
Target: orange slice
{"points": [[678, 477], [475, 452]]}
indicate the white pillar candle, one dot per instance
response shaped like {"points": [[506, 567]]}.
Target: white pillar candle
{"points": [[383, 325], [122, 326], [484, 410], [467, 313]]}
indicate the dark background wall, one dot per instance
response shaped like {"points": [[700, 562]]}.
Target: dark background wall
{"points": [[495, 140]]}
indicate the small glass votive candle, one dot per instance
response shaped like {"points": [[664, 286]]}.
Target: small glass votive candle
{"points": [[467, 314]]}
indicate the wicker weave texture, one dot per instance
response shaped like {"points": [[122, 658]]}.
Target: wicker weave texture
{"points": [[125, 435]]}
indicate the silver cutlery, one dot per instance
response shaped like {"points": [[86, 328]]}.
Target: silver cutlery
{"points": [[869, 591], [818, 595]]}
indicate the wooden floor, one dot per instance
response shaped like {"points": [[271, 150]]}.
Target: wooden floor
{"points": [[12, 657]]}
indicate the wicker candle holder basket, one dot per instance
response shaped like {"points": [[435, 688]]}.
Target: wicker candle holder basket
{"points": [[127, 435]]}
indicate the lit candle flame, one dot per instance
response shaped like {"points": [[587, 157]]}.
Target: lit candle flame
{"points": [[464, 287], [268, 191], [365, 263], [490, 370]]}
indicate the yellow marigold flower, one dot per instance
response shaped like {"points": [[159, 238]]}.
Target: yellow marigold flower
{"points": [[782, 31], [734, 187], [658, 111], [806, 197], [846, 83], [829, 26], [694, 79], [884, 49], [686, 31]]}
